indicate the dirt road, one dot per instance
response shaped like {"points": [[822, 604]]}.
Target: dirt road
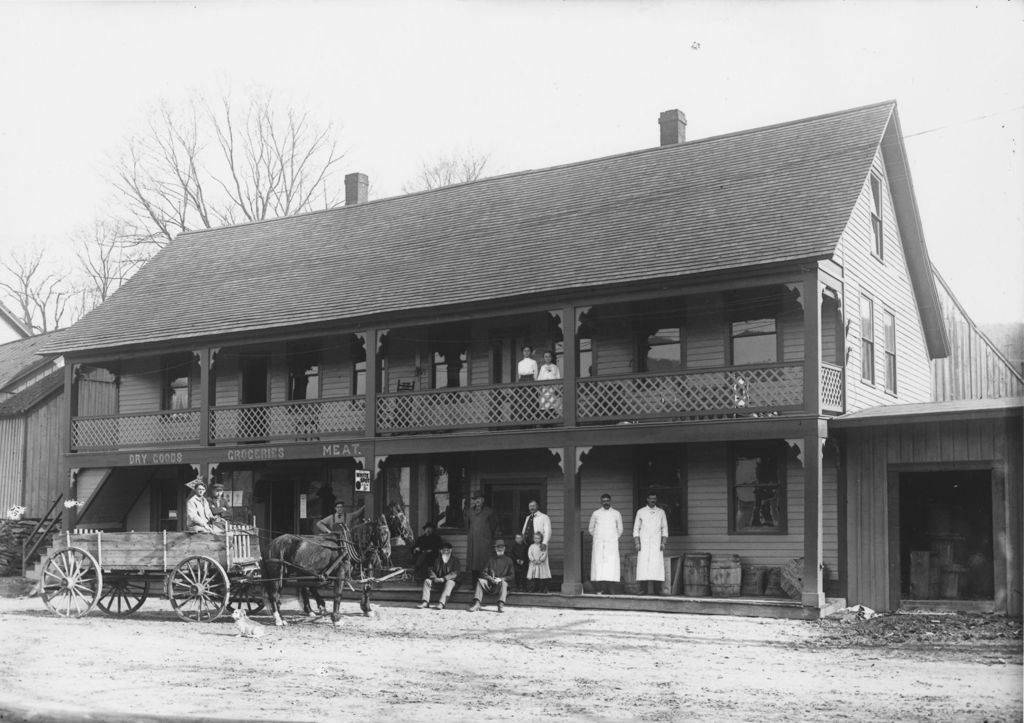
{"points": [[429, 665]]}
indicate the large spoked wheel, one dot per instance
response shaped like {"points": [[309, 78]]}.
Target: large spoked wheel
{"points": [[123, 595], [198, 589], [248, 596], [71, 582]]}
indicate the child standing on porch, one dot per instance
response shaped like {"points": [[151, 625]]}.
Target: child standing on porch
{"points": [[519, 559], [540, 572]]}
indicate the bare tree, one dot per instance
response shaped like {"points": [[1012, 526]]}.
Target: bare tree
{"points": [[42, 296], [106, 258], [208, 165], [447, 171]]}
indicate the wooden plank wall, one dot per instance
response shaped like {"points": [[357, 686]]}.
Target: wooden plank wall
{"points": [[141, 381], [991, 443], [888, 284], [12, 462], [975, 368], [43, 435]]}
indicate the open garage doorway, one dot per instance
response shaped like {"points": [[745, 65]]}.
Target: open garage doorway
{"points": [[945, 535]]}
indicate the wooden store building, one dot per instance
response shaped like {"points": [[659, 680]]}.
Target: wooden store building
{"points": [[727, 314]]}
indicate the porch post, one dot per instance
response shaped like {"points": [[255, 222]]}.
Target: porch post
{"points": [[70, 407], [371, 382], [812, 342], [204, 396], [813, 585], [572, 583], [569, 371]]}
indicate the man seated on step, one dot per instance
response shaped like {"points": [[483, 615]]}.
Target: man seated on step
{"points": [[496, 577], [444, 573]]}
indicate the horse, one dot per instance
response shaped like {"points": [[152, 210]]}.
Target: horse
{"points": [[311, 557]]}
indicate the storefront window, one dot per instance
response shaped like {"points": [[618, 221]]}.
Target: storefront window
{"points": [[450, 484], [758, 488]]}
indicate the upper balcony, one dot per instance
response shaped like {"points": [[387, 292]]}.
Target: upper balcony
{"points": [[731, 355]]}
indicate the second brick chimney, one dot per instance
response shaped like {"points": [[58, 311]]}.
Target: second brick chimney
{"points": [[356, 188], [673, 127]]}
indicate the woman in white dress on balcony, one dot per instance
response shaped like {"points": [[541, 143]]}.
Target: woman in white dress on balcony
{"points": [[550, 399]]}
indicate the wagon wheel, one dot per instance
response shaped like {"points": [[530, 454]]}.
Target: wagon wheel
{"points": [[247, 596], [71, 582], [198, 589], [123, 595]]}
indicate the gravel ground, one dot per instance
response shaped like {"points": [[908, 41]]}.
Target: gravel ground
{"points": [[529, 663]]}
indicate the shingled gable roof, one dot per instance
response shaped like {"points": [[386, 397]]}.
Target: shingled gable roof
{"points": [[772, 195]]}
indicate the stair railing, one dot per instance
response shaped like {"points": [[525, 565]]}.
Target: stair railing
{"points": [[40, 532]]}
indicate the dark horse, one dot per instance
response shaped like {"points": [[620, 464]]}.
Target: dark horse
{"points": [[310, 560]]}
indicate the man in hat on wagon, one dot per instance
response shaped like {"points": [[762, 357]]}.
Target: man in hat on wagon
{"points": [[199, 517], [496, 577], [218, 502]]}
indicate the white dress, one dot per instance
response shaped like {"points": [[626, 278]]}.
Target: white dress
{"points": [[650, 526], [606, 528]]}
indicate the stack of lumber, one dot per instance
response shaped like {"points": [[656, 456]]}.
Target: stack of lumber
{"points": [[12, 534]]}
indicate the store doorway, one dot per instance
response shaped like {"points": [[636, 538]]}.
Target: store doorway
{"points": [[945, 535], [510, 502]]}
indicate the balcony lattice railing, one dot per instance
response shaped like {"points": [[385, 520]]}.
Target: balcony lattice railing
{"points": [[135, 430], [832, 397], [288, 420], [493, 406], [712, 393]]}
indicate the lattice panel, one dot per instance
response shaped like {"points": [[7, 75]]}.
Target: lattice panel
{"points": [[687, 394], [298, 419], [466, 407], [115, 431], [831, 388]]}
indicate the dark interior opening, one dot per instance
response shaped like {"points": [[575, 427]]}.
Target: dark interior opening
{"points": [[946, 536]]}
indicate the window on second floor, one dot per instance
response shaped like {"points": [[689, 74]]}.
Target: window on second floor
{"points": [[754, 341], [451, 368], [303, 373], [661, 350], [867, 339], [177, 382], [889, 322], [876, 217]]}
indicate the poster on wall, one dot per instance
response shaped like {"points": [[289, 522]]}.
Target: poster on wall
{"points": [[362, 480]]}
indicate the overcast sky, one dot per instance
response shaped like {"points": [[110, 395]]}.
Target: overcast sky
{"points": [[533, 84]]}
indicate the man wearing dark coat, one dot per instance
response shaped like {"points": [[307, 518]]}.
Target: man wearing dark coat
{"points": [[424, 551], [482, 529]]}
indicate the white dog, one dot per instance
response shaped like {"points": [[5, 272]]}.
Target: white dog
{"points": [[246, 627]]}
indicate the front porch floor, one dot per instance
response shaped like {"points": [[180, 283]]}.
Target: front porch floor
{"points": [[754, 607]]}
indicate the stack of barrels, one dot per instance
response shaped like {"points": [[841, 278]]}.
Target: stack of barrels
{"points": [[707, 576]]}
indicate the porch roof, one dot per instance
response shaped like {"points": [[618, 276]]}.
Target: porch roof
{"points": [[768, 196], [930, 411]]}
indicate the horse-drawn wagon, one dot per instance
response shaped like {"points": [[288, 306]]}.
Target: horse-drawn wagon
{"points": [[200, 573]]}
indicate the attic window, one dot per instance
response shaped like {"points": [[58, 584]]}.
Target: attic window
{"points": [[876, 216]]}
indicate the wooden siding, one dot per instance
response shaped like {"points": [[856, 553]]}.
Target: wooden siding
{"points": [[12, 462], [226, 375], [705, 332], [993, 443], [43, 434], [610, 471], [97, 393], [975, 368], [887, 282]]}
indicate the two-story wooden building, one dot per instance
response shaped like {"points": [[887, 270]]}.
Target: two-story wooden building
{"points": [[711, 305]]}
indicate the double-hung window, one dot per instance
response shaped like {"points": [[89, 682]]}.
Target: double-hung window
{"points": [[889, 321], [867, 339], [876, 217]]}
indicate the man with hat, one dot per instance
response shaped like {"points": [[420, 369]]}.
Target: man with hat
{"points": [[496, 578], [199, 517], [218, 503], [443, 573], [481, 530], [424, 551]]}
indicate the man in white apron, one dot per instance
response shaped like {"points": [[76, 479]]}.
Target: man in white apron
{"points": [[650, 533], [606, 529]]}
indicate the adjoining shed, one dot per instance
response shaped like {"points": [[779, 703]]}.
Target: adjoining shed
{"points": [[933, 495]]}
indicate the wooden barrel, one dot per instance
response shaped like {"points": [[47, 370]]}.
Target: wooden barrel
{"points": [[726, 576], [696, 574], [752, 580]]}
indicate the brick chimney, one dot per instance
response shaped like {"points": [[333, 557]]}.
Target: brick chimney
{"points": [[673, 127], [356, 186]]}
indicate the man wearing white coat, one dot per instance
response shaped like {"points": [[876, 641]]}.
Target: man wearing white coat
{"points": [[650, 533], [606, 529], [537, 521]]}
